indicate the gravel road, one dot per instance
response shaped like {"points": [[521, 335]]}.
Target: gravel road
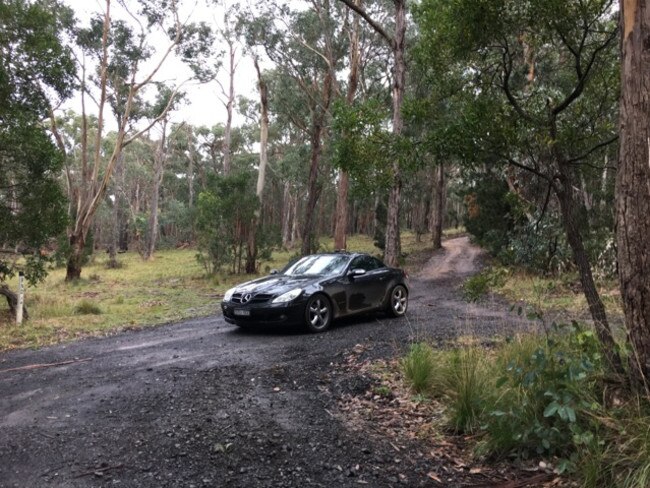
{"points": [[203, 404]]}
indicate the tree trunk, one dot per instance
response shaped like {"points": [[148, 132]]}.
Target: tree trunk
{"points": [[313, 187], [251, 248], [574, 237], [392, 251], [227, 135], [77, 243], [341, 222], [159, 162], [286, 215], [633, 184], [438, 207], [295, 226]]}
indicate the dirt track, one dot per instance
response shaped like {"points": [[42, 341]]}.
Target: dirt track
{"points": [[202, 404]]}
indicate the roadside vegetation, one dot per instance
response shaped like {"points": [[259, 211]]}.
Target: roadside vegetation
{"points": [[549, 399], [173, 286]]}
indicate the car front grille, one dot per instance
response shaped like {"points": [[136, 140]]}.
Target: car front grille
{"points": [[258, 298]]}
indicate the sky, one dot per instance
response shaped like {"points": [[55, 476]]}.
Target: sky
{"points": [[203, 106]]}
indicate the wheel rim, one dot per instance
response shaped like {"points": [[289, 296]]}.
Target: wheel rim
{"points": [[319, 313], [400, 300]]}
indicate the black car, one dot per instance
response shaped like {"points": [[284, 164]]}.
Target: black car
{"points": [[317, 289]]}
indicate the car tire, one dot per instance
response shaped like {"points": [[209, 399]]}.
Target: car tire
{"points": [[318, 313], [398, 301]]}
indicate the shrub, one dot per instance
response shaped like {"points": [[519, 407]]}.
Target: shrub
{"points": [[480, 284], [86, 307], [545, 395]]}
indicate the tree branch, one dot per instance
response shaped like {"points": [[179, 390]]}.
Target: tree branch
{"points": [[376, 27], [583, 75], [593, 150]]}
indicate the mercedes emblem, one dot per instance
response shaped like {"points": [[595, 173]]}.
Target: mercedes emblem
{"points": [[246, 298]]}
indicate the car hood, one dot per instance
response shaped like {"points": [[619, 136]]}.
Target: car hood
{"points": [[277, 284]]}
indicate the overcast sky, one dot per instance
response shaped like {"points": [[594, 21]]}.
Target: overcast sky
{"points": [[203, 107]]}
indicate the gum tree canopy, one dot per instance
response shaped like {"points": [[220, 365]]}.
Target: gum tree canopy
{"points": [[35, 66]]}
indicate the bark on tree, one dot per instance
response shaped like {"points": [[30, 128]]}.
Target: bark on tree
{"points": [[251, 251], [229, 103], [341, 222], [286, 215], [568, 208], [633, 184], [160, 156], [313, 187], [438, 206]]}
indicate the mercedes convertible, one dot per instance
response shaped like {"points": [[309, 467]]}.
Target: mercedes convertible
{"points": [[317, 289]]}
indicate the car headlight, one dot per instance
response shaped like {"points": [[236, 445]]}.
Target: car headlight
{"points": [[228, 295], [288, 296]]}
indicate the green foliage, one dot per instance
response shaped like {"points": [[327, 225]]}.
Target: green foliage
{"points": [[480, 284], [35, 65], [541, 397], [86, 307], [224, 215], [491, 213], [419, 367], [361, 145], [545, 395]]}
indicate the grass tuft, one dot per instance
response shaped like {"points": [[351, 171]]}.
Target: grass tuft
{"points": [[418, 367], [86, 307]]}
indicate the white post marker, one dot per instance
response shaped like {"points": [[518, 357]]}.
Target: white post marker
{"points": [[21, 298]]}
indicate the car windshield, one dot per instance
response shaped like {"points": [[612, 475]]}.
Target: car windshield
{"points": [[326, 264]]}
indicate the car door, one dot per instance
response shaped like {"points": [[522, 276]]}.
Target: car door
{"points": [[366, 291]]}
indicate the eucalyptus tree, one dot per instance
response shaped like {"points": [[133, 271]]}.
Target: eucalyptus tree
{"points": [[632, 184], [306, 46], [119, 50], [35, 66], [354, 56], [397, 42], [543, 78]]}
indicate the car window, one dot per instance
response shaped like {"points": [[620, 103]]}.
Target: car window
{"points": [[326, 264], [366, 262]]}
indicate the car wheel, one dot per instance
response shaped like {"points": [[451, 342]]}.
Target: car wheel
{"points": [[318, 313], [399, 301]]}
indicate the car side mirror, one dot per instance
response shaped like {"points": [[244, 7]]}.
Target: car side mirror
{"points": [[273, 272], [357, 272]]}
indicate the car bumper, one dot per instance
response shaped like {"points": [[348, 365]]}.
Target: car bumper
{"points": [[265, 314]]}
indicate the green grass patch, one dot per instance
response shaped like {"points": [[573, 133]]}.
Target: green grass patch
{"points": [[86, 307]]}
